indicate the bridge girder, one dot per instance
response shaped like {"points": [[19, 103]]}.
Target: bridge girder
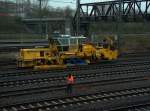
{"points": [[131, 11]]}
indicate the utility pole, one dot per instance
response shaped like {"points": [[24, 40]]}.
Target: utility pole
{"points": [[78, 17]]}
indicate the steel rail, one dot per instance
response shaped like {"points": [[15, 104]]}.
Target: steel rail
{"points": [[75, 68], [62, 86], [74, 101], [137, 107], [82, 75]]}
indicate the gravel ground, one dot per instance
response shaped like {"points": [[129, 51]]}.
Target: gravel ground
{"points": [[8, 55]]}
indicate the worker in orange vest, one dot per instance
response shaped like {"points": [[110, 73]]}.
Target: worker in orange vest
{"points": [[70, 82]]}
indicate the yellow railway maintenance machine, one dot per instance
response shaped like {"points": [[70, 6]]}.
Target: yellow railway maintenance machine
{"points": [[55, 56], [39, 58], [66, 50]]}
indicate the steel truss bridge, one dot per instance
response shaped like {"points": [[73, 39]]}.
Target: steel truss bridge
{"points": [[130, 11]]}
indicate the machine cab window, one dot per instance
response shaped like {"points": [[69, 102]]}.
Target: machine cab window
{"points": [[41, 53]]}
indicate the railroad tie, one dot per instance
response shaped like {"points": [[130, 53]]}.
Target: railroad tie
{"points": [[123, 92], [117, 93], [92, 101], [61, 101], [111, 94], [31, 106], [4, 109], [47, 103], [141, 109], [14, 109], [70, 104], [133, 91], [54, 102], [98, 100], [134, 95], [64, 106], [56, 107], [105, 99], [39, 105], [82, 98], [23, 107], [48, 109], [40, 110], [88, 97], [75, 99], [94, 96], [106, 95], [144, 90], [85, 102], [111, 98], [127, 91], [79, 104]]}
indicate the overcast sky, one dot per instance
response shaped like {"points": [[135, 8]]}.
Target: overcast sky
{"points": [[64, 3], [71, 3]]}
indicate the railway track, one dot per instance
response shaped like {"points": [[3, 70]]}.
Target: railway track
{"points": [[60, 87], [135, 54], [74, 69], [5, 82], [11, 64], [137, 107], [7, 63], [12, 85], [11, 70], [138, 71], [7, 47], [65, 103]]}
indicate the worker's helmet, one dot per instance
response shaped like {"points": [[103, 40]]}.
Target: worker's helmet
{"points": [[69, 75]]}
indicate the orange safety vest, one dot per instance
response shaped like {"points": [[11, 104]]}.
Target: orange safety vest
{"points": [[70, 80]]}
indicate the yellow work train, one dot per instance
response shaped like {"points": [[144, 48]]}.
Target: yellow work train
{"points": [[52, 58]]}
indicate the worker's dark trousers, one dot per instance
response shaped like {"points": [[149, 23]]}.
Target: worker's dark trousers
{"points": [[69, 88]]}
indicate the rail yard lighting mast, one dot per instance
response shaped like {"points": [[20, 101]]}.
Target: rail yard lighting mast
{"points": [[119, 23], [40, 16], [78, 17]]}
